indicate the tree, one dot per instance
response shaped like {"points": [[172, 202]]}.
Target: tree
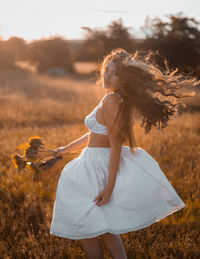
{"points": [[50, 53], [7, 57], [94, 45], [178, 40], [18, 46], [98, 42]]}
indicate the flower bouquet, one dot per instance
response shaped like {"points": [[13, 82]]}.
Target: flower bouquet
{"points": [[38, 158]]}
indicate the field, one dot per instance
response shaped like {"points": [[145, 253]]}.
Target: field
{"points": [[54, 109]]}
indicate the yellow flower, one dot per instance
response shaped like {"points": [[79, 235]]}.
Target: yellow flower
{"points": [[35, 142], [18, 162], [23, 146]]}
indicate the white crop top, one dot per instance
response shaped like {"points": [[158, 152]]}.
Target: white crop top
{"points": [[92, 124]]}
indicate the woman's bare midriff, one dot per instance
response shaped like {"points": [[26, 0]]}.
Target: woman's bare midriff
{"points": [[98, 140]]}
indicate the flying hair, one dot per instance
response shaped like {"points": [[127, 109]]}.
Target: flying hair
{"points": [[147, 89]]}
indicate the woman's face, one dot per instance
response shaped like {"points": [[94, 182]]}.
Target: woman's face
{"points": [[110, 79]]}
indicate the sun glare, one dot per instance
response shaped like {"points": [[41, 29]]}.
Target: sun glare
{"points": [[40, 19]]}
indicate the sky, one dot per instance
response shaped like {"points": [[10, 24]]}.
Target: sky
{"points": [[37, 19]]}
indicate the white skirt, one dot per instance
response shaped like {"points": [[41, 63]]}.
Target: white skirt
{"points": [[142, 195]]}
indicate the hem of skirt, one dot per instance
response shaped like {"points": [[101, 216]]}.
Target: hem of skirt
{"points": [[114, 231]]}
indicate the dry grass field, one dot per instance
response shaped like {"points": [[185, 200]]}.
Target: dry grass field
{"points": [[54, 109]]}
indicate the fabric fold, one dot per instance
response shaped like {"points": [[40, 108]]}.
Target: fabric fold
{"points": [[142, 195]]}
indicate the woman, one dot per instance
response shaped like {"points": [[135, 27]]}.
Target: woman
{"points": [[111, 188]]}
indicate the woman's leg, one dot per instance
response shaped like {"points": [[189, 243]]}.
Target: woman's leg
{"points": [[92, 248], [114, 245]]}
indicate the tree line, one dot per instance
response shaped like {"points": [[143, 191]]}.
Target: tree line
{"points": [[177, 40]]}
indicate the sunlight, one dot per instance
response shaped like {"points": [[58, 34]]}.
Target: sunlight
{"points": [[39, 19]]}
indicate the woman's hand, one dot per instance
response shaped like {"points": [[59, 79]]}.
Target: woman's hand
{"points": [[60, 151], [103, 197]]}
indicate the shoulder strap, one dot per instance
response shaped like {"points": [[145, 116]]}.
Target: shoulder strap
{"points": [[118, 96], [112, 93]]}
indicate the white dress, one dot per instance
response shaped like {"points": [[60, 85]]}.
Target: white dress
{"points": [[142, 195]]}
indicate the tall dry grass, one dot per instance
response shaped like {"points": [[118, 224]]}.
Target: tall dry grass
{"points": [[55, 109]]}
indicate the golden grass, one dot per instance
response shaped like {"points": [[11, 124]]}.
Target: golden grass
{"points": [[85, 67], [55, 109]]}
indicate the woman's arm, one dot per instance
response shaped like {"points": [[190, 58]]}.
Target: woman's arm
{"points": [[110, 109], [74, 145], [115, 155]]}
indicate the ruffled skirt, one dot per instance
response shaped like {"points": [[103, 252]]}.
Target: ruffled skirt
{"points": [[142, 195]]}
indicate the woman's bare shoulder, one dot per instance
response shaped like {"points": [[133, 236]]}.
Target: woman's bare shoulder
{"points": [[111, 99], [110, 105]]}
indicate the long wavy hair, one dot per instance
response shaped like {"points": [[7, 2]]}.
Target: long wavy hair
{"points": [[146, 89]]}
